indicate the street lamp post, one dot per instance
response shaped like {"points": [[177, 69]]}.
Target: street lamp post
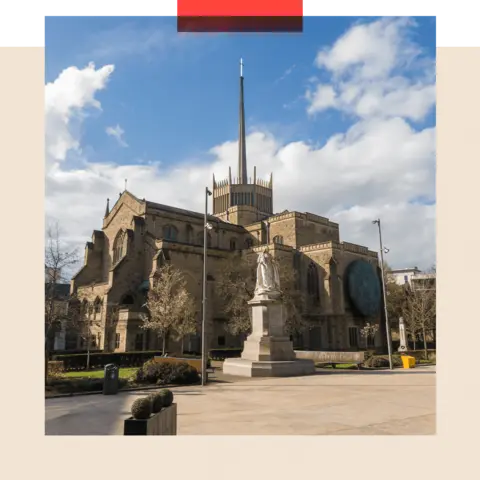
{"points": [[206, 226], [384, 288]]}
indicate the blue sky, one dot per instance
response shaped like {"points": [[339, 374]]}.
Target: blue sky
{"points": [[175, 97]]}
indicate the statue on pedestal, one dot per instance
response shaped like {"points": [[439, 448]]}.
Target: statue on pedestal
{"points": [[268, 278]]}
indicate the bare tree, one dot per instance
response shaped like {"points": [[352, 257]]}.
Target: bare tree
{"points": [[169, 304], [420, 313], [236, 285], [58, 260], [86, 324], [187, 323], [369, 331]]}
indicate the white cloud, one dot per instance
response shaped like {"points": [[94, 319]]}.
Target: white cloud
{"points": [[379, 167], [66, 102], [117, 133], [375, 70]]}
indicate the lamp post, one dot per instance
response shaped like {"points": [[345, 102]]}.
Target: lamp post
{"points": [[384, 288], [206, 227]]}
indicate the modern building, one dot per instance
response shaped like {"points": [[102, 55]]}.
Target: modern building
{"points": [[138, 235], [414, 278]]}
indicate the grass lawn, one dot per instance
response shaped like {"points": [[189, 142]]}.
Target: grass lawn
{"points": [[340, 366], [124, 373]]}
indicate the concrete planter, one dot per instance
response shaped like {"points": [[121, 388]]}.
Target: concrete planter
{"points": [[161, 423]]}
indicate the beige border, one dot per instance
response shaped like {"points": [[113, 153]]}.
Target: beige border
{"points": [[450, 451], [458, 169]]}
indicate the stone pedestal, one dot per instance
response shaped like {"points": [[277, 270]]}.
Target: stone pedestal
{"points": [[268, 352]]}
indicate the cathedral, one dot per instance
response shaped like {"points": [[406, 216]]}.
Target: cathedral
{"points": [[138, 235]]}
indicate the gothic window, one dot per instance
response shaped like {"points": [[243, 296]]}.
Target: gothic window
{"points": [[200, 239], [312, 282], [353, 336], [278, 239], [119, 246], [233, 244], [170, 232], [249, 243], [85, 308], [188, 234], [97, 306]]}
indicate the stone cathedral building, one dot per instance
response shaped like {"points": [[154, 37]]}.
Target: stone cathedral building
{"points": [[138, 235]]}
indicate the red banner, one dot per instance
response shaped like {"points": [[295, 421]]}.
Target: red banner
{"points": [[240, 8], [297, 7]]}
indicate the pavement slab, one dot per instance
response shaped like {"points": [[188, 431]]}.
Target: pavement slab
{"points": [[350, 402]]}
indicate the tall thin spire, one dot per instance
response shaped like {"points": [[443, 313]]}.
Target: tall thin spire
{"points": [[107, 210], [242, 151]]}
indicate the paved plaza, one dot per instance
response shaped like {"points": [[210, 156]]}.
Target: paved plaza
{"points": [[401, 402]]}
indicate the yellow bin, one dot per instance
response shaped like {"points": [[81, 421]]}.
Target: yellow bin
{"points": [[408, 362]]}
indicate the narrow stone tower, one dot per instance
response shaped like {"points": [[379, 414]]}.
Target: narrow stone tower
{"points": [[240, 200]]}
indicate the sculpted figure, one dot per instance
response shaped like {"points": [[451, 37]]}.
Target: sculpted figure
{"points": [[268, 279]]}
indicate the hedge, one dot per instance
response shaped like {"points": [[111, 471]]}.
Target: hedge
{"points": [[78, 385], [223, 353], [78, 361]]}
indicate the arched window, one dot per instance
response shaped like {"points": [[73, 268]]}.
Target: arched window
{"points": [[127, 300], [233, 244], [199, 239], [278, 239], [119, 246], [85, 309], [170, 232], [97, 305], [188, 234], [249, 243], [312, 283]]}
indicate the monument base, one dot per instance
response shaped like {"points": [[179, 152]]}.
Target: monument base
{"points": [[242, 367]]}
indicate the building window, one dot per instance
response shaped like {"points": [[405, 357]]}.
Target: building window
{"points": [[353, 336], [200, 239], [117, 340], [278, 239], [139, 342], [233, 244], [405, 279], [221, 341], [249, 243], [97, 306], [85, 309], [99, 339], [170, 232], [312, 283], [188, 234], [119, 246]]}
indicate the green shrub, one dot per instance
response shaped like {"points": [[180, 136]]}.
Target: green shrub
{"points": [[380, 361], [183, 374], [99, 360], [167, 397], [223, 353], [142, 408], [158, 401], [166, 373], [79, 385]]}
